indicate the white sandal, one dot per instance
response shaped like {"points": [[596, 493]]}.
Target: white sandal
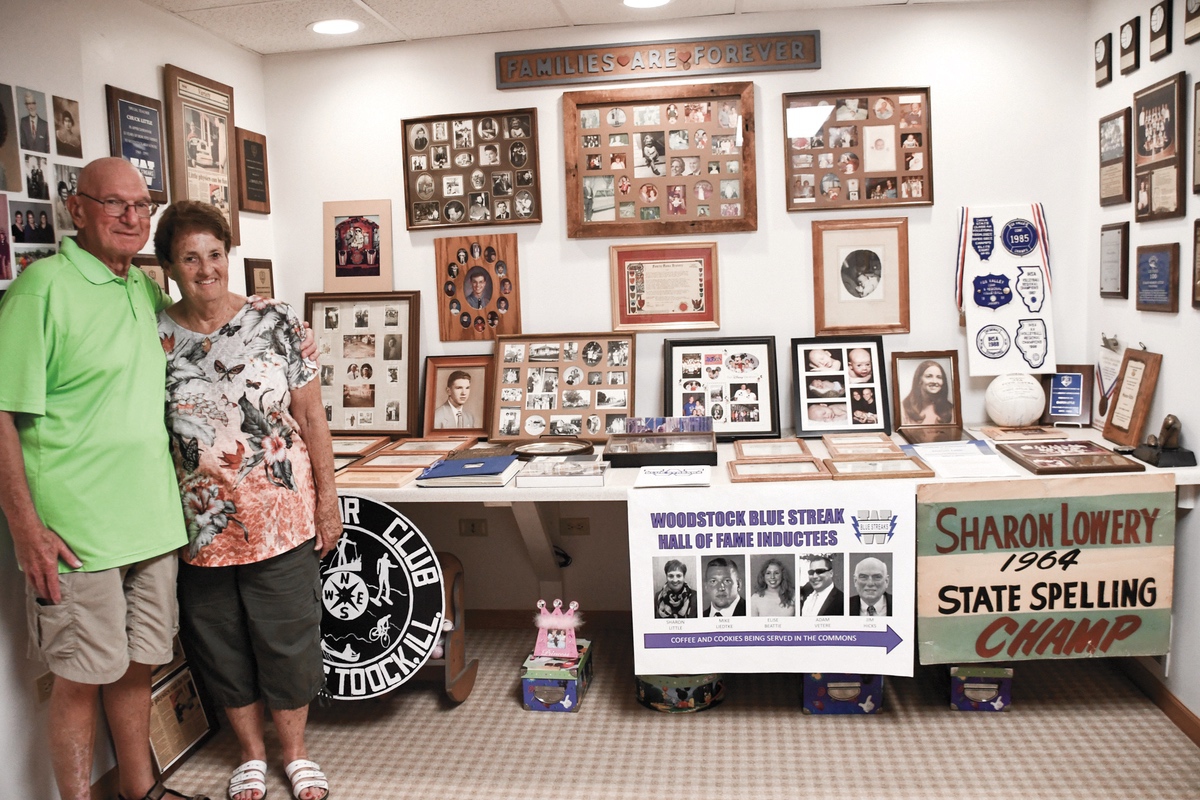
{"points": [[249, 777], [305, 774]]}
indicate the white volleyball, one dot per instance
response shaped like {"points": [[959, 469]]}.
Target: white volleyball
{"points": [[1015, 400]]}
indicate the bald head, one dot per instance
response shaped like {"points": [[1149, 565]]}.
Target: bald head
{"points": [[113, 240], [870, 580], [96, 176]]}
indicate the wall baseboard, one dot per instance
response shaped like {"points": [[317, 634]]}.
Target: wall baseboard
{"points": [[1161, 696]]}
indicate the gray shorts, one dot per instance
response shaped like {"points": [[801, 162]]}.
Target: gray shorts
{"points": [[254, 630], [105, 620]]}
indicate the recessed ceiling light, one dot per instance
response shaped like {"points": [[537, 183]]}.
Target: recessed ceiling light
{"points": [[334, 27], [646, 3]]}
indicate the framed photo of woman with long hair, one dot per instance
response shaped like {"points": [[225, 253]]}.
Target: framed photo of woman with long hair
{"points": [[925, 389]]}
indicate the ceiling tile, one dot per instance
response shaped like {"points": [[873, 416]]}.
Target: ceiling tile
{"points": [[759, 6], [600, 12], [177, 6], [281, 26], [429, 19]]}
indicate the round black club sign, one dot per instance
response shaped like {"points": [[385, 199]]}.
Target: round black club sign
{"points": [[381, 589]]}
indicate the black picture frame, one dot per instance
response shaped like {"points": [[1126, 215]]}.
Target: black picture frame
{"points": [[1069, 395], [136, 133], [1103, 59], [840, 415], [1114, 132], [723, 368]]}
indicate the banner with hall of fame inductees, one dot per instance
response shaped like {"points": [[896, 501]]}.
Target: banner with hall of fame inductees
{"points": [[1003, 287], [788, 577]]}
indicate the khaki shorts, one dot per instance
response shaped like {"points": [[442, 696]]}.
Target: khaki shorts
{"points": [[106, 620]]}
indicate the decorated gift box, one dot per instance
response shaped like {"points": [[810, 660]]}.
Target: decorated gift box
{"points": [[977, 688], [556, 683], [680, 693], [842, 693]]}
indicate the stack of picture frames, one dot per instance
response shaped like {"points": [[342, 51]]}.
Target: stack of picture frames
{"points": [[392, 465], [660, 161], [783, 460], [860, 456]]}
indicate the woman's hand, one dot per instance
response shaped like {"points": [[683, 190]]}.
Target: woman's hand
{"points": [[329, 527]]}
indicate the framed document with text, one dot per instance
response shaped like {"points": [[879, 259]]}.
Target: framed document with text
{"points": [[661, 287], [1114, 158], [1114, 260], [135, 133], [254, 186]]}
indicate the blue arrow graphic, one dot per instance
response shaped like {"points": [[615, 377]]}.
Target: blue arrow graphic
{"points": [[669, 641]]}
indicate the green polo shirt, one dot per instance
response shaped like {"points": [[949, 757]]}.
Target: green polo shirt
{"points": [[82, 368]]}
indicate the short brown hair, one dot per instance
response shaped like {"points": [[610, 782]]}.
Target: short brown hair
{"points": [[186, 216]]}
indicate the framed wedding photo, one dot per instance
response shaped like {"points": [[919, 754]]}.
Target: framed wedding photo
{"points": [[731, 379], [135, 133], [478, 168], [1158, 162], [858, 148], [662, 287], [860, 276], [200, 142], [839, 385], [254, 185], [925, 389], [661, 161], [1114, 158], [458, 395], [369, 345], [1158, 277], [1114, 260], [358, 246]]}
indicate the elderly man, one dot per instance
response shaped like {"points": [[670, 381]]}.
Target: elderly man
{"points": [[722, 589], [871, 582], [35, 133], [90, 494]]}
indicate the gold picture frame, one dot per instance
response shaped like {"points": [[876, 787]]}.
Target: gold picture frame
{"points": [[782, 468]]}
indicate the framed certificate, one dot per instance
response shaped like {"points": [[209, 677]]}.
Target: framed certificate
{"points": [[1159, 147], [1114, 158], [1160, 30], [1130, 45], [260, 277], [1132, 395], [1114, 260], [1103, 59], [1158, 277], [664, 286], [254, 185]]}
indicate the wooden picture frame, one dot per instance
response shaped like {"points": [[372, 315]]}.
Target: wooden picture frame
{"points": [[839, 385], [1069, 395], [860, 276], [858, 148], [781, 468], [1160, 30], [1102, 55], [1067, 458], [1191, 21], [181, 720], [1158, 149], [357, 246], [481, 379], [570, 384], [1130, 45], [369, 346], [733, 380], [355, 478], [478, 168], [135, 133], [488, 262], [873, 469], [443, 445], [1196, 264], [1114, 132], [200, 140], [664, 287], [260, 277], [358, 446], [149, 265], [912, 374], [863, 446], [254, 182], [1158, 277], [391, 461], [673, 159], [1132, 396], [755, 449], [1195, 139], [1114, 260]]}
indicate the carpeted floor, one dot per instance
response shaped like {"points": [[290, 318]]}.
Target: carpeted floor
{"points": [[1078, 729]]}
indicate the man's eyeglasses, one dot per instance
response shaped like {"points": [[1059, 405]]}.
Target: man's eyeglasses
{"points": [[116, 208], [819, 571]]}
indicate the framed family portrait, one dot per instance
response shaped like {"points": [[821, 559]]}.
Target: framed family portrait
{"points": [[480, 295], [860, 276], [149, 265], [1114, 260], [1159, 146], [478, 168], [260, 277], [1114, 158], [181, 720], [566, 384], [664, 286], [458, 395], [839, 385], [857, 148], [660, 161], [369, 345], [135, 133], [358, 246], [254, 185], [925, 389], [733, 380], [1132, 396], [200, 136], [1158, 277]]}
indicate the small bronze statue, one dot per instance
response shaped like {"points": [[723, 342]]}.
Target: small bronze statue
{"points": [[1164, 450]]}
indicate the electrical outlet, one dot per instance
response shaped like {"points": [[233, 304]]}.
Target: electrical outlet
{"points": [[43, 685], [574, 526], [472, 527]]}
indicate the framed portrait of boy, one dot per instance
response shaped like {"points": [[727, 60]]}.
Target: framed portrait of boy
{"points": [[458, 395]]}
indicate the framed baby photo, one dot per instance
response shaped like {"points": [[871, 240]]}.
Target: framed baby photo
{"points": [[857, 148], [562, 384], [839, 385], [480, 287], [369, 346], [660, 161], [664, 287], [1158, 149], [260, 277], [860, 276], [458, 395], [358, 246], [925, 389], [733, 380], [1114, 158], [477, 168]]}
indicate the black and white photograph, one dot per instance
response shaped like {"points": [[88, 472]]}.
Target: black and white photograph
{"points": [[675, 587], [66, 128], [724, 585], [838, 385], [33, 123], [870, 585]]}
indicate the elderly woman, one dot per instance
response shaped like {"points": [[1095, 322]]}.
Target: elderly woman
{"points": [[676, 600], [774, 591], [255, 466], [928, 402]]}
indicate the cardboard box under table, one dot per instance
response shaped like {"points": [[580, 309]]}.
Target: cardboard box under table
{"points": [[556, 684], [842, 693], [680, 693], [977, 688]]}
